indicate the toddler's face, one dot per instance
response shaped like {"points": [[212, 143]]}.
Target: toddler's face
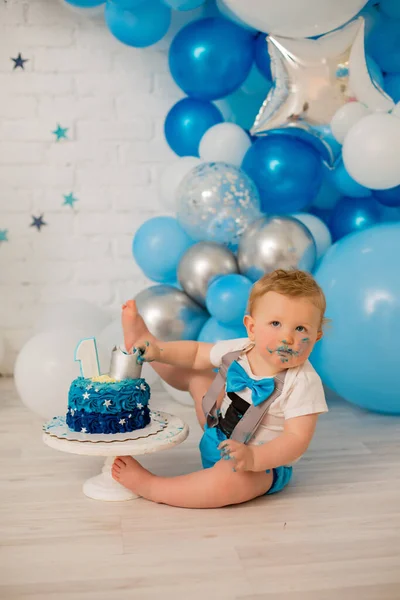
{"points": [[284, 329]]}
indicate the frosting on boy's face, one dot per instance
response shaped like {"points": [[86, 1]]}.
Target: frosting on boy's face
{"points": [[284, 329]]}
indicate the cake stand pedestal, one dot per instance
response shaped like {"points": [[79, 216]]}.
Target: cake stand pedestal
{"points": [[103, 486]]}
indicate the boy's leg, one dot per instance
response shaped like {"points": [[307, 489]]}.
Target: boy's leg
{"points": [[209, 488], [195, 382]]}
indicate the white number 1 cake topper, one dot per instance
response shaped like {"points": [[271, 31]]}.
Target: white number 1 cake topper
{"points": [[86, 354]]}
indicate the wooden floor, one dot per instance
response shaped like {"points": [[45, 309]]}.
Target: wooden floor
{"points": [[333, 534]]}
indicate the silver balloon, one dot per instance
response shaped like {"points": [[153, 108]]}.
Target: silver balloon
{"points": [[170, 314], [200, 264], [216, 202], [313, 80], [275, 243]]}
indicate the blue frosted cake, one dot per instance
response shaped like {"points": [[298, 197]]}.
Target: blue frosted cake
{"points": [[106, 405]]}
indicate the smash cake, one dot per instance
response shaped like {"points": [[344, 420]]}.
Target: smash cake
{"points": [[117, 402]]}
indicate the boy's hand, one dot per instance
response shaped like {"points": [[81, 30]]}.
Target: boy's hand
{"points": [[242, 455], [147, 351]]}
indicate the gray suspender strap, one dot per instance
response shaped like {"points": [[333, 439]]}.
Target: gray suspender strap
{"points": [[255, 414], [210, 398]]}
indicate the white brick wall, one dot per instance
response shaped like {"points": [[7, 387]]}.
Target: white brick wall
{"points": [[113, 99]]}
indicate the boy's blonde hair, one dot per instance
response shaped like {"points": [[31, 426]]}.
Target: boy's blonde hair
{"points": [[293, 283]]}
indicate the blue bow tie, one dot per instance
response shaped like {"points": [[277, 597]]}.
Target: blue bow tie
{"points": [[237, 379]]}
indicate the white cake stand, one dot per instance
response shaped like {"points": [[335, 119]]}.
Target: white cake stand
{"points": [[103, 486]]}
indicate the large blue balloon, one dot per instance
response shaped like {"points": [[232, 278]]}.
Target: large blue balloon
{"points": [[389, 197], [85, 3], [210, 58], [358, 355], [141, 26], [158, 246], [346, 185], [187, 122], [287, 172], [213, 332], [262, 57], [383, 45], [227, 298], [353, 214]]}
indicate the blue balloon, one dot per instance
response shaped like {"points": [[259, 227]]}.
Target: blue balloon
{"points": [[353, 214], [210, 58], [184, 4], [213, 332], [383, 45], [358, 354], [227, 298], [392, 86], [142, 26], [241, 107], [187, 122], [389, 197], [391, 8], [158, 246], [374, 71], [262, 57], [85, 3], [287, 172], [346, 184]]}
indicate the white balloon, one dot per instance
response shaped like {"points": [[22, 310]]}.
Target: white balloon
{"points": [[44, 370], [224, 142], [371, 151], [319, 231], [347, 116], [112, 336], [73, 314], [171, 178], [181, 397], [292, 18], [229, 14]]}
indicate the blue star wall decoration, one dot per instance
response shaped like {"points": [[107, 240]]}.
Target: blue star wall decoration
{"points": [[19, 61], [3, 235], [60, 133], [38, 222], [69, 200]]}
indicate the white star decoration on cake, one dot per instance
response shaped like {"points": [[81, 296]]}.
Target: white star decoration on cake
{"points": [[83, 430], [122, 421], [96, 389], [107, 403], [89, 387], [129, 416], [85, 396], [72, 412], [140, 405], [142, 387]]}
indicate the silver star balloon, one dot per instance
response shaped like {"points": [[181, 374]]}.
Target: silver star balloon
{"points": [[313, 79]]}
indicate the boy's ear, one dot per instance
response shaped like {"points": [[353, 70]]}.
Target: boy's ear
{"points": [[248, 322], [319, 335]]}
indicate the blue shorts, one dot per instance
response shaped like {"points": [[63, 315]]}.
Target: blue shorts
{"points": [[210, 455]]}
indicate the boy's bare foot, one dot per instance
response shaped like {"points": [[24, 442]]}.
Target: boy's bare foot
{"points": [[129, 473], [133, 326]]}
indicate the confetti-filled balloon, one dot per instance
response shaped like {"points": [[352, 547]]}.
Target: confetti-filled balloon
{"points": [[217, 202]]}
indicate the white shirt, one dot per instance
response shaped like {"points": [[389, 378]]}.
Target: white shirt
{"points": [[302, 392]]}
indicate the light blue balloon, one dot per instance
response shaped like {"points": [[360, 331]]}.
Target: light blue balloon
{"points": [[141, 26], [187, 122], [353, 214], [184, 4], [158, 246], [358, 355], [213, 332], [346, 184], [210, 58], [227, 298], [85, 3]]}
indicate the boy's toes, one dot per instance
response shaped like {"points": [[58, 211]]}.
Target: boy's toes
{"points": [[115, 474], [120, 462]]}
